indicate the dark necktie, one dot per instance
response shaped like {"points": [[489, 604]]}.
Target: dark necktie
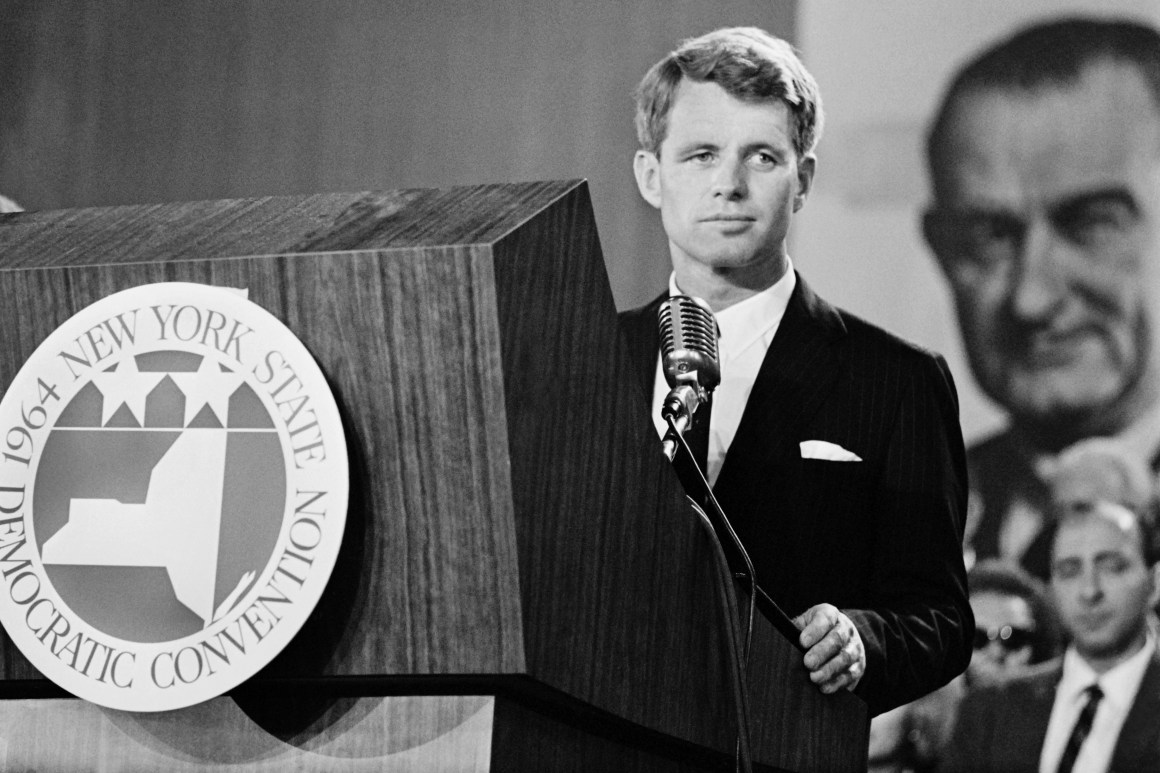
{"points": [[1083, 726], [697, 436]]}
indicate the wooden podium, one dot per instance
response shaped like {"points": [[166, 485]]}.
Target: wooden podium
{"points": [[521, 585]]}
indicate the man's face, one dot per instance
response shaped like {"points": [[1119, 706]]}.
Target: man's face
{"points": [[727, 181], [1047, 225], [1101, 585], [1005, 631]]}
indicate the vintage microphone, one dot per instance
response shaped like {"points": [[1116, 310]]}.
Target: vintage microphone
{"points": [[689, 360]]}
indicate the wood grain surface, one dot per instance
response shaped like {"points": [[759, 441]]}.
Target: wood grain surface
{"points": [[371, 735]]}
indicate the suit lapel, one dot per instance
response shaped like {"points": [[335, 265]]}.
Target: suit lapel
{"points": [[798, 372], [1029, 721], [1138, 747]]}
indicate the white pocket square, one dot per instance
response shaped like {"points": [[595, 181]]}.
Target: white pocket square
{"points": [[832, 452]]}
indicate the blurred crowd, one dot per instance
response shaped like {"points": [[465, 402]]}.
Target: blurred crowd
{"points": [[1092, 620]]}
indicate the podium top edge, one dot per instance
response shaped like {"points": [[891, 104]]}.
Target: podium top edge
{"points": [[275, 225]]}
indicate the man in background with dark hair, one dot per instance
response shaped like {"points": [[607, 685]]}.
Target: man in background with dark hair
{"points": [[833, 447], [1096, 708], [1045, 163], [1015, 622]]}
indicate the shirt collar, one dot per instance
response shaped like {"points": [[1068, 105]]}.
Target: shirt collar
{"points": [[751, 320], [1119, 683]]}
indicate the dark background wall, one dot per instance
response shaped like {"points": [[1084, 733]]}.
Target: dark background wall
{"points": [[132, 101]]}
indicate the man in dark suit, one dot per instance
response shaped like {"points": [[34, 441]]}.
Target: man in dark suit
{"points": [[1104, 581], [1044, 161], [834, 447]]}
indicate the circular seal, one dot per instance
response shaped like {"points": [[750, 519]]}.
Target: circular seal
{"points": [[173, 491]]}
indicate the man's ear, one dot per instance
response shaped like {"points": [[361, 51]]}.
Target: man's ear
{"points": [[806, 167], [647, 168], [930, 229], [934, 231]]}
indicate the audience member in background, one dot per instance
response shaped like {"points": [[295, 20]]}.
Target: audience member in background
{"points": [[1015, 626], [1097, 708], [1092, 470], [1044, 159]]}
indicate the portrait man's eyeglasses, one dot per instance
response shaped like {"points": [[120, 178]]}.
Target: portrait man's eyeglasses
{"points": [[978, 243]]}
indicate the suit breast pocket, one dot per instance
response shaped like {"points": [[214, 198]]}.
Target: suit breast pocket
{"points": [[834, 493]]}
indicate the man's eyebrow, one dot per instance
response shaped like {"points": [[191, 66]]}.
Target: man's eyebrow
{"points": [[763, 145], [1112, 195], [1107, 555], [695, 144], [1066, 205], [974, 209], [953, 222]]}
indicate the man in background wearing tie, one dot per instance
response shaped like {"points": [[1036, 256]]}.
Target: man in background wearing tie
{"points": [[1097, 708], [833, 447]]}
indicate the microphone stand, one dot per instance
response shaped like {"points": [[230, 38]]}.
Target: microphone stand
{"points": [[682, 400], [720, 522]]}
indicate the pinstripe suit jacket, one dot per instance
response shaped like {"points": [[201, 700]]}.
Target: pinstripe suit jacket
{"points": [[1002, 727], [881, 538]]}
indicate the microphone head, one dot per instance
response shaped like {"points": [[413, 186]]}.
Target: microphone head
{"points": [[689, 342]]}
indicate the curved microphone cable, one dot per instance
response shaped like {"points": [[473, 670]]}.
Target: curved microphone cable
{"points": [[727, 595], [721, 522]]}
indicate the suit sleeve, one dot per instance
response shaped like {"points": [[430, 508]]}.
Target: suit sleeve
{"points": [[917, 630]]}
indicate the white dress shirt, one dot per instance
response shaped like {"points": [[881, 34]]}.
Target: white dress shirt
{"points": [[1119, 685], [747, 329]]}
